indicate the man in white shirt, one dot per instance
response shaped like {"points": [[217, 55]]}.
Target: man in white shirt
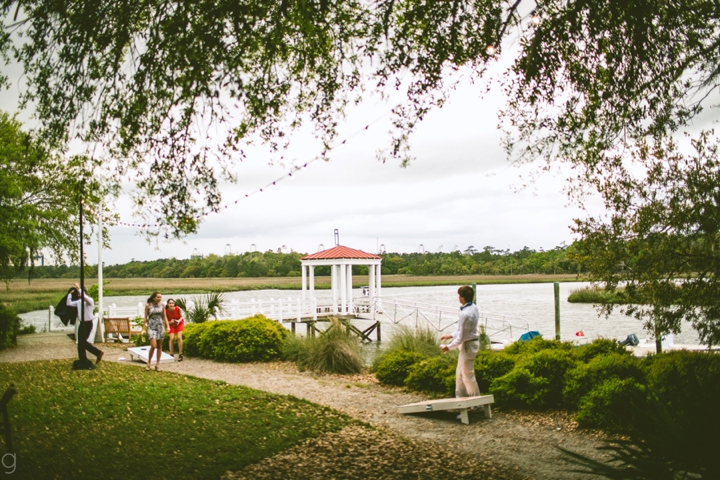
{"points": [[466, 339], [86, 323]]}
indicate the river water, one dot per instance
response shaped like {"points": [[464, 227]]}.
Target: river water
{"points": [[532, 302]]}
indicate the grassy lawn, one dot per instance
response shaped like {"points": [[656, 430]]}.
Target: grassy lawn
{"points": [[120, 421], [24, 296]]}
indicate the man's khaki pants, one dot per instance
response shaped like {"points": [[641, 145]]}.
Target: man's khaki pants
{"points": [[465, 383]]}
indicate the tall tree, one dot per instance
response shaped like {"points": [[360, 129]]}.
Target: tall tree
{"points": [[39, 199], [151, 79], [661, 239]]}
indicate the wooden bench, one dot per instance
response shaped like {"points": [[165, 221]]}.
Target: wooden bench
{"points": [[120, 326]]}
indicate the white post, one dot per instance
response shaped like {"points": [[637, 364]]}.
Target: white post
{"points": [[349, 288], [100, 334], [304, 280], [312, 280], [314, 307], [378, 279], [343, 288], [334, 280], [299, 310], [371, 282], [51, 312]]}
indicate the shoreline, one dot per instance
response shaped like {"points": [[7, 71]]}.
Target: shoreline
{"points": [[24, 296]]}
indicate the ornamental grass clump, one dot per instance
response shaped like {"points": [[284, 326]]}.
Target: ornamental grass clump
{"points": [[332, 351], [406, 348]]}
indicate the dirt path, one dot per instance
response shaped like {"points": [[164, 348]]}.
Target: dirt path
{"points": [[519, 442]]}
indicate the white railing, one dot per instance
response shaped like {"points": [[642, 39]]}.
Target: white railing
{"points": [[500, 328]]}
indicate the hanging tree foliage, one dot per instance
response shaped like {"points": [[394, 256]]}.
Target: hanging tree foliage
{"points": [[151, 80]]}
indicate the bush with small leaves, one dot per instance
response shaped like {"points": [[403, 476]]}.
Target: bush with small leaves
{"points": [[580, 380], [612, 405], [601, 346], [490, 365], [520, 389], [537, 344], [254, 339], [394, 367], [688, 383], [434, 375], [9, 327], [544, 390]]}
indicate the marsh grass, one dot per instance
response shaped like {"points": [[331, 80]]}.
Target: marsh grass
{"points": [[422, 341], [121, 422], [24, 296], [332, 351], [597, 296]]}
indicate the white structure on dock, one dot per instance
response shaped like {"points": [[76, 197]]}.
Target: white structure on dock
{"points": [[341, 260]]}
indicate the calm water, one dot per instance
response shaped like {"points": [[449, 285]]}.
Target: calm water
{"points": [[533, 302]]}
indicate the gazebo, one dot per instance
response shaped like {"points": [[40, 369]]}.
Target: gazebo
{"points": [[341, 260]]}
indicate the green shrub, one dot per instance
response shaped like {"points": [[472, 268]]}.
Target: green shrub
{"points": [[394, 367], [490, 365], [422, 340], [580, 380], [254, 339], [544, 390], [191, 334], [434, 375], [520, 388], [537, 344], [600, 346], [293, 348], [333, 351], [614, 404], [9, 327], [688, 383], [27, 329]]}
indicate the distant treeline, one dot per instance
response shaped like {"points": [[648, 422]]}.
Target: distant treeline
{"points": [[488, 261]]}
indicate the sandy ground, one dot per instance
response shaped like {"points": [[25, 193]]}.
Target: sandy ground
{"points": [[509, 445]]}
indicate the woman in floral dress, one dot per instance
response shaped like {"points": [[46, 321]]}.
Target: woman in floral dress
{"points": [[155, 324]]}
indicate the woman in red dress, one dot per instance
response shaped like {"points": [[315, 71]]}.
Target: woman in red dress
{"points": [[177, 325]]}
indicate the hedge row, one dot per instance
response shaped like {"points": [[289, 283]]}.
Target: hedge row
{"points": [[603, 382]]}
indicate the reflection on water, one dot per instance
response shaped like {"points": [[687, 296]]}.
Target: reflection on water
{"points": [[532, 302]]}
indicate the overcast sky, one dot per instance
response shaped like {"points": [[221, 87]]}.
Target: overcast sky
{"points": [[459, 191]]}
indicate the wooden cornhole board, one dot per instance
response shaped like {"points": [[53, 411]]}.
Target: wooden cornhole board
{"points": [[461, 404], [141, 353]]}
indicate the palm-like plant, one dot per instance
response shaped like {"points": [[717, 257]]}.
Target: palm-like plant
{"points": [[204, 307]]}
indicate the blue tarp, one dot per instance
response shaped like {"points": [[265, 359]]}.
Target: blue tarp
{"points": [[526, 337]]}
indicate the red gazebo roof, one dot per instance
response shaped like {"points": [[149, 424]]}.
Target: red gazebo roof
{"points": [[340, 252]]}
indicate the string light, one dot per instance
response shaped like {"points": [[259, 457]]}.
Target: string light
{"points": [[535, 18], [490, 50]]}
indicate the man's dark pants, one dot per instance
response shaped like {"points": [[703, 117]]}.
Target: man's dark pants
{"points": [[83, 345]]}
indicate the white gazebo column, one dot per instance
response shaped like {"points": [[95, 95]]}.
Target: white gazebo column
{"points": [[378, 280], [304, 280], [343, 288], [349, 288], [312, 281], [371, 284], [334, 286]]}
